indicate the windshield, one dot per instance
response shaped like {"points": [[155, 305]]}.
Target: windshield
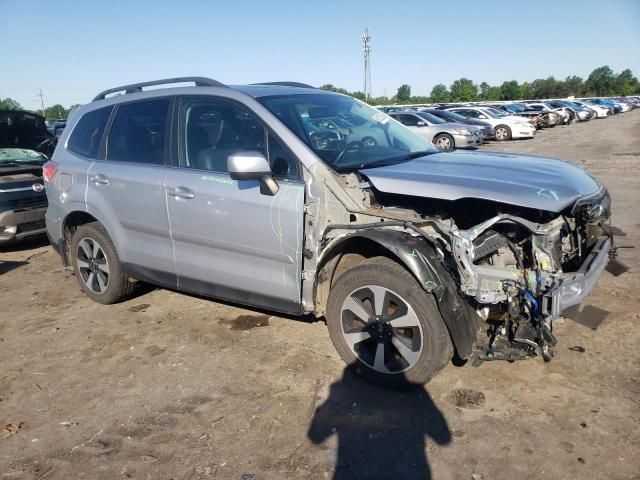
{"points": [[451, 116], [20, 155], [431, 118], [373, 139], [495, 113]]}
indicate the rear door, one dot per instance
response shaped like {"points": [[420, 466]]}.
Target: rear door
{"points": [[126, 185], [231, 241]]}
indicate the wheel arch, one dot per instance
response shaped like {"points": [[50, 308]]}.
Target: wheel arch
{"points": [[418, 257], [450, 135], [70, 224]]}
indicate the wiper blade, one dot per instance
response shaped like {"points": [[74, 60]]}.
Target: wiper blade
{"points": [[390, 161]]}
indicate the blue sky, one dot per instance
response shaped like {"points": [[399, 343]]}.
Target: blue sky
{"points": [[73, 49]]}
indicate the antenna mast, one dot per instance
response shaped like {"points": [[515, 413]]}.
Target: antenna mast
{"points": [[366, 51]]}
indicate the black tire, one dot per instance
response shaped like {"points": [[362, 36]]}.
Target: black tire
{"points": [[444, 142], [436, 349], [503, 133], [117, 287]]}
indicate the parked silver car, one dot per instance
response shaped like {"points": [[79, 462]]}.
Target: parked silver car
{"points": [[446, 136], [406, 251]]}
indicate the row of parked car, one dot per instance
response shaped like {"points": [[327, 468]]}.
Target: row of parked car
{"points": [[450, 126]]}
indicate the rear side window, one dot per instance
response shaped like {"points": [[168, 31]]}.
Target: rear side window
{"points": [[87, 134], [138, 131]]}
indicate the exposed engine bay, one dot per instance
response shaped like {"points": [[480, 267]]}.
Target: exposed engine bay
{"points": [[517, 267]]}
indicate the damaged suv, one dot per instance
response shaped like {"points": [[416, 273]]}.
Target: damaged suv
{"points": [[412, 255]]}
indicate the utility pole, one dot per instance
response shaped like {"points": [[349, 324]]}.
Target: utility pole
{"points": [[41, 101], [366, 51]]}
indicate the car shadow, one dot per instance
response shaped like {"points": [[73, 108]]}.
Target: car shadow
{"points": [[7, 266], [27, 244], [381, 433]]}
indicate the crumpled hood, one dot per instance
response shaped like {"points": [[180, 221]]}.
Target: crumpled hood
{"points": [[524, 180]]}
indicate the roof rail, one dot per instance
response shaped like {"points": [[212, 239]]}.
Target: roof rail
{"points": [[285, 84], [137, 87]]}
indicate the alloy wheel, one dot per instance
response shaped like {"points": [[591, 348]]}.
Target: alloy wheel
{"points": [[93, 265], [381, 329], [501, 133], [443, 143]]}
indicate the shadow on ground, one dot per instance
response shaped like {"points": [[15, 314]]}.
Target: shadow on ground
{"points": [[7, 266], [381, 433]]}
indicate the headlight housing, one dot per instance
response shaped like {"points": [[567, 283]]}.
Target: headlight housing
{"points": [[462, 131]]}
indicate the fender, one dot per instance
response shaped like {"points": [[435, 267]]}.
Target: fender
{"points": [[419, 257]]}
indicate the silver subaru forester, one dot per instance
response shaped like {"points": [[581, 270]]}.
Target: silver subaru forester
{"points": [[243, 193]]}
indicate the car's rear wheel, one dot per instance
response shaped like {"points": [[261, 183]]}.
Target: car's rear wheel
{"points": [[384, 324], [97, 266], [503, 133], [444, 142]]}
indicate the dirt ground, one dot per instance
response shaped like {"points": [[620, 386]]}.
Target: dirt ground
{"points": [[171, 386]]}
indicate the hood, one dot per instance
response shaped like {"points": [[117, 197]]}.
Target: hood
{"points": [[524, 180]]}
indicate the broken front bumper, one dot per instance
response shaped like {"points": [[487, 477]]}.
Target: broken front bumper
{"points": [[574, 287]]}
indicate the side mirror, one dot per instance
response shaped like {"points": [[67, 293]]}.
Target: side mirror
{"points": [[421, 124], [252, 165]]}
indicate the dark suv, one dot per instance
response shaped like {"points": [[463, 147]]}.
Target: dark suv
{"points": [[24, 147]]}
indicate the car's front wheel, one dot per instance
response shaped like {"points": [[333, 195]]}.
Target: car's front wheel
{"points": [[97, 266], [384, 324], [503, 133], [444, 142]]}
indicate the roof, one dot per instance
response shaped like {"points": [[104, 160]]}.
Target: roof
{"points": [[254, 90], [257, 91]]}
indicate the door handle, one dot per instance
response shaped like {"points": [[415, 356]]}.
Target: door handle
{"points": [[100, 179], [182, 192]]}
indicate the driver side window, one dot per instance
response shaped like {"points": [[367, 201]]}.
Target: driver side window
{"points": [[408, 120], [213, 129]]}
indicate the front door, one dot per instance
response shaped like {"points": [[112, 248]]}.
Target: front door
{"points": [[230, 240]]}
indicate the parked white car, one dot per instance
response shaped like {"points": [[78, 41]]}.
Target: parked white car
{"points": [[601, 111], [506, 127]]}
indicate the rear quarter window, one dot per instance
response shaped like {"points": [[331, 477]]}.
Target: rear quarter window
{"points": [[87, 134]]}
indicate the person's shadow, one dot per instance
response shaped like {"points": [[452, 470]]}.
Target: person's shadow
{"points": [[381, 433]]}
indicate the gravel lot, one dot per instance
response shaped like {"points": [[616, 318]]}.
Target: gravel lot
{"points": [[169, 385]]}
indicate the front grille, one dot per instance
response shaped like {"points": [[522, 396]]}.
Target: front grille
{"points": [[28, 202], [31, 226]]}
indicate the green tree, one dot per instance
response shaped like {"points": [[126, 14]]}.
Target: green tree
{"points": [[510, 90], [484, 89], [574, 85], [525, 91], [494, 93], [602, 81], [404, 93], [56, 111], [379, 101], [544, 88], [359, 96], [331, 88], [626, 83], [9, 104], [420, 99], [464, 90], [440, 94]]}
